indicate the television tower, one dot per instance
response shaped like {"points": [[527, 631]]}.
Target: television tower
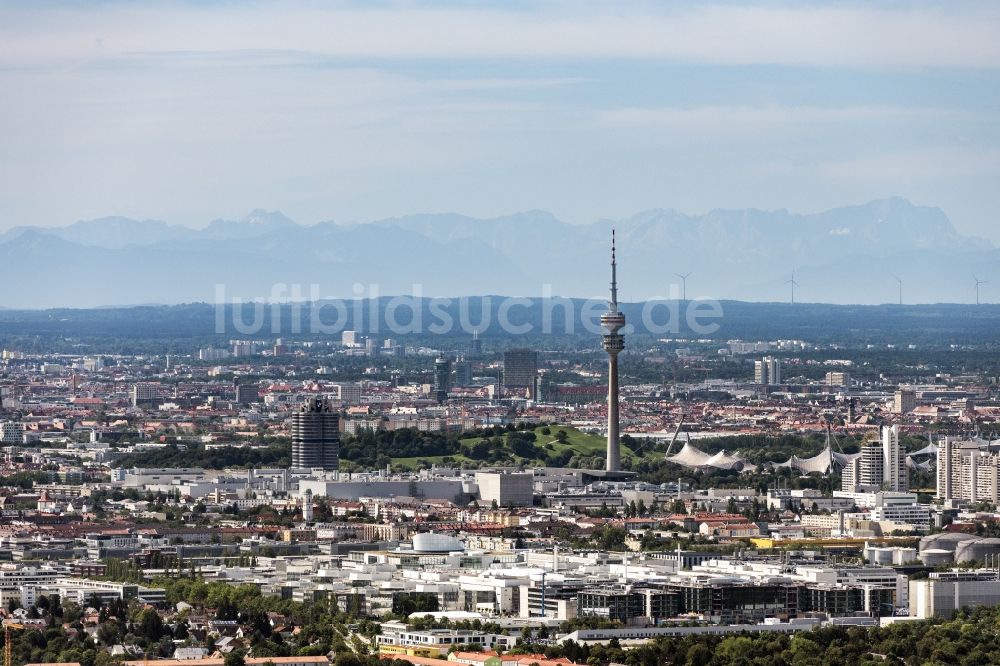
{"points": [[613, 342]]}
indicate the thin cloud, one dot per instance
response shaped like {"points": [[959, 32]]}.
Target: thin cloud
{"points": [[925, 164], [952, 35], [747, 120]]}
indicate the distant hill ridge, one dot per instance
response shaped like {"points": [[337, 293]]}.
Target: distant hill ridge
{"points": [[843, 255]]}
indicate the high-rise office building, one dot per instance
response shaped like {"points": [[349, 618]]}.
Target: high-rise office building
{"points": [[463, 373], [144, 394], [767, 371], [246, 393], [244, 348], [350, 338], [442, 378], [476, 348], [520, 367], [905, 401], [613, 343], [346, 393], [316, 436], [11, 432], [543, 386], [838, 378]]}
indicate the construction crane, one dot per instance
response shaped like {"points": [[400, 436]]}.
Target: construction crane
{"points": [[8, 658]]}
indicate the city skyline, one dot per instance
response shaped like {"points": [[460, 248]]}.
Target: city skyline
{"points": [[339, 430]]}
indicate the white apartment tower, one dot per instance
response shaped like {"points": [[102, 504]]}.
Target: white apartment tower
{"points": [[896, 475], [767, 371], [879, 465], [865, 470], [968, 472]]}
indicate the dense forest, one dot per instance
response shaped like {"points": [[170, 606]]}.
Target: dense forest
{"points": [[196, 455], [184, 328], [969, 638]]}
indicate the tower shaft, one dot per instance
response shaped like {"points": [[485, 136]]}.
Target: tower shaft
{"points": [[614, 451]]}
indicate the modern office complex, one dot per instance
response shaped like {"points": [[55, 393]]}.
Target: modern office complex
{"points": [[520, 367], [506, 488]]}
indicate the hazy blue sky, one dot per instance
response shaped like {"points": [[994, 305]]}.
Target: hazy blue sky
{"points": [[354, 111]]}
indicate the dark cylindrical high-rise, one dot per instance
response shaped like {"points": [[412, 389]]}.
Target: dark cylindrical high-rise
{"points": [[316, 436], [613, 342]]}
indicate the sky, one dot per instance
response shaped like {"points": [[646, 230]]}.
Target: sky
{"points": [[353, 111]]}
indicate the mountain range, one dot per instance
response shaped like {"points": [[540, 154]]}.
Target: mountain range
{"points": [[851, 254]]}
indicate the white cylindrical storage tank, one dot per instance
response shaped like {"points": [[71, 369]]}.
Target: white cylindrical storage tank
{"points": [[429, 542], [881, 556], [934, 557]]}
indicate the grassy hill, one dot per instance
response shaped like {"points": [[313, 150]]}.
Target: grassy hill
{"points": [[572, 448]]}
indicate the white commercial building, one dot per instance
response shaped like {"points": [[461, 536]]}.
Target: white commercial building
{"points": [[917, 515], [348, 393], [944, 592], [506, 488], [144, 393]]}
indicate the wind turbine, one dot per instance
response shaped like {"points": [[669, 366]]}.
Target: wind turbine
{"points": [[684, 282], [978, 282], [900, 281], [794, 285]]}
